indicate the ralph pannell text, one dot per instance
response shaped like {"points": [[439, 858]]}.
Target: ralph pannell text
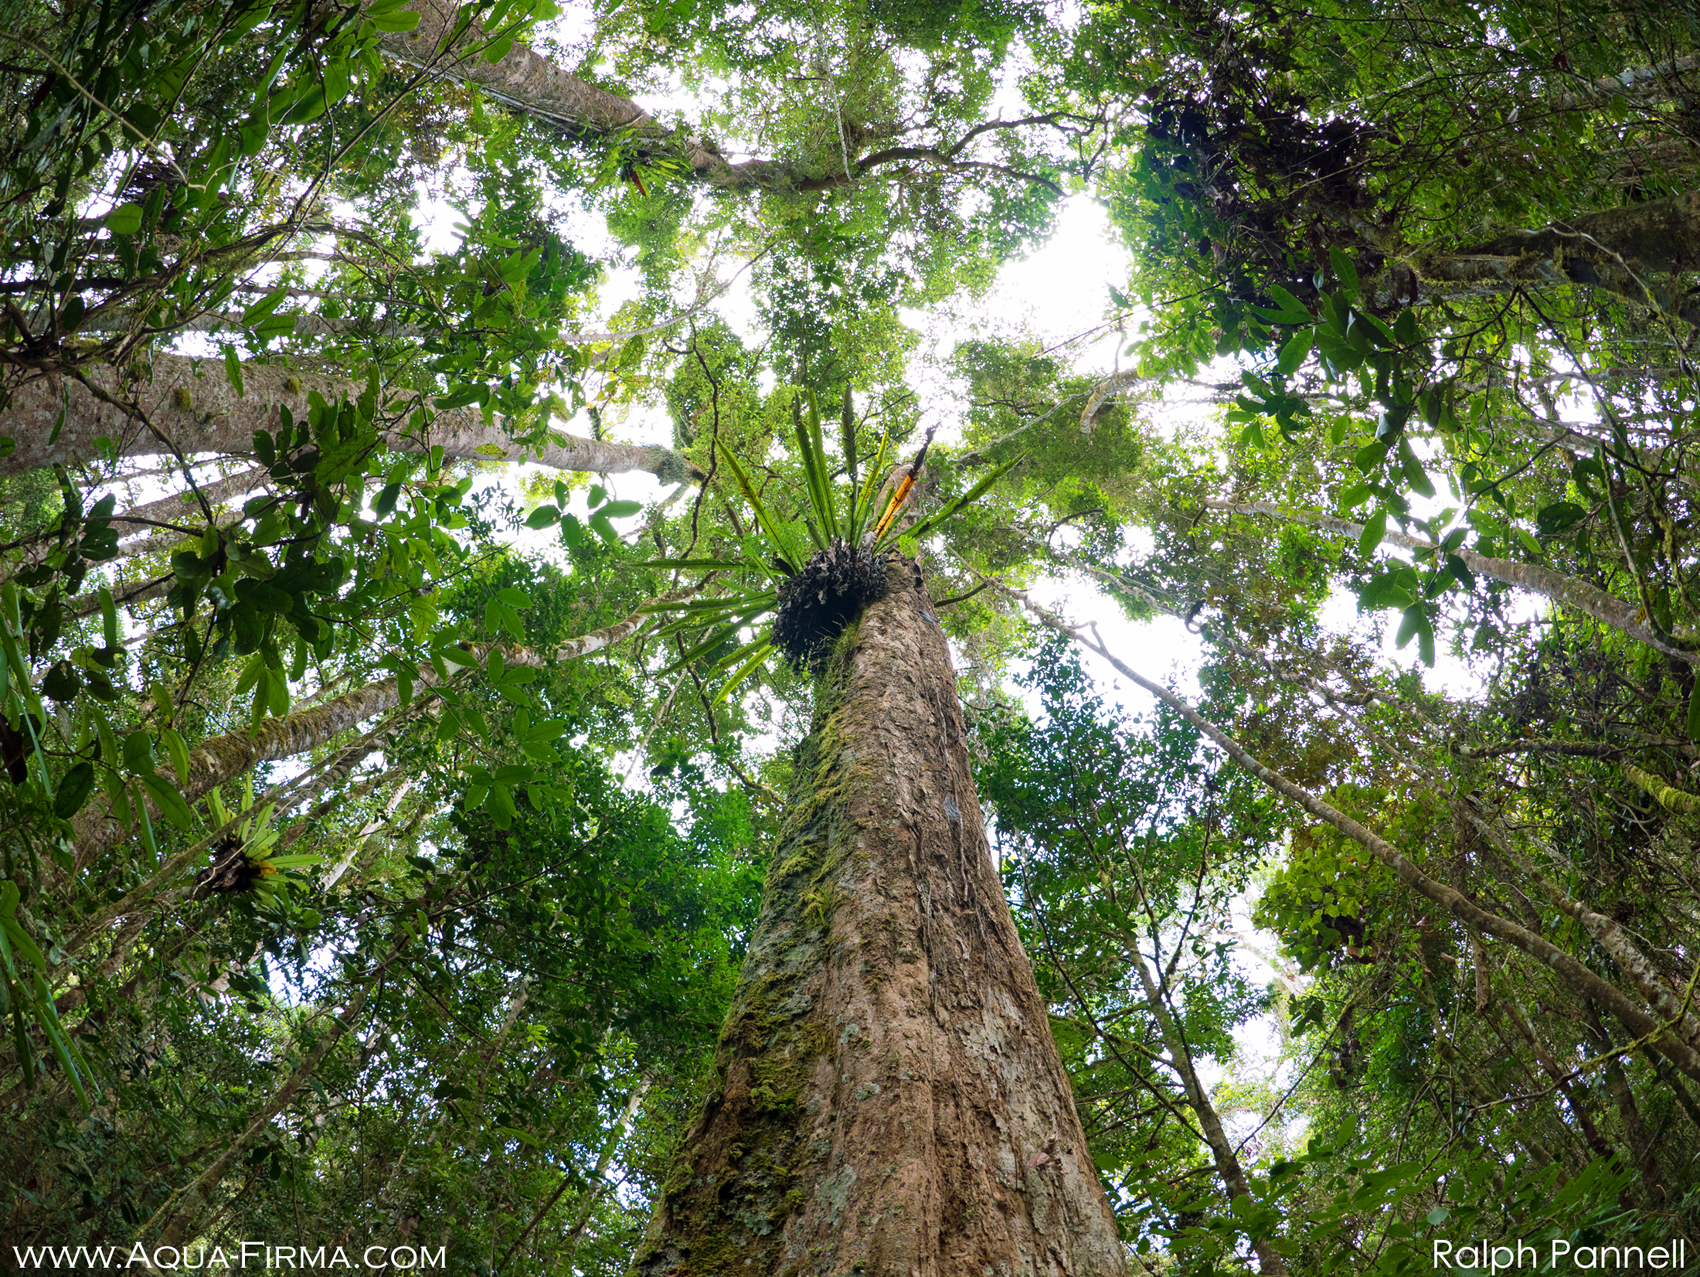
{"points": [[1551, 1256]]}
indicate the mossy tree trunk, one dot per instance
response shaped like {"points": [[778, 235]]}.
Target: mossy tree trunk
{"points": [[59, 418], [1570, 591], [890, 1099]]}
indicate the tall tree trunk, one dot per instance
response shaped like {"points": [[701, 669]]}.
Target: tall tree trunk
{"points": [[1570, 591], [1678, 1038], [890, 1099], [224, 758], [1209, 1121], [1632, 252], [204, 414], [530, 83]]}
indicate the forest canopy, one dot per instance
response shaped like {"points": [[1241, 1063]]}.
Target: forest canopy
{"points": [[390, 806]]}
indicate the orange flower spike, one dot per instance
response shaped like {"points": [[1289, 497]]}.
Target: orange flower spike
{"points": [[894, 505], [902, 494]]}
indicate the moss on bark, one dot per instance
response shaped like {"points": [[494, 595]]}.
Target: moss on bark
{"points": [[889, 1097]]}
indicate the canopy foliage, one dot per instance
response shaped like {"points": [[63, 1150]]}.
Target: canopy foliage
{"points": [[381, 824]]}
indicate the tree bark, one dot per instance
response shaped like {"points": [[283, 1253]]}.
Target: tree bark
{"points": [[200, 412], [890, 1099], [1632, 252]]}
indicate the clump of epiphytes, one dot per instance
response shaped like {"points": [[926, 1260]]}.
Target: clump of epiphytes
{"points": [[817, 603]]}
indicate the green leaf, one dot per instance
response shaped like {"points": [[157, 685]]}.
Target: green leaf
{"points": [[251, 135], [545, 516], [263, 308], [179, 752], [251, 672], [812, 451], [500, 804], [449, 725], [1408, 624], [337, 84], [1355, 495], [1370, 456], [453, 652], [126, 219], [233, 371], [730, 604], [716, 638], [1345, 272], [1414, 473], [876, 473], [1375, 528], [1694, 713], [137, 752], [461, 396], [778, 535], [405, 20], [25, 946], [74, 790], [1295, 352], [170, 803], [763, 646], [621, 509], [309, 103], [1293, 311], [1559, 517]]}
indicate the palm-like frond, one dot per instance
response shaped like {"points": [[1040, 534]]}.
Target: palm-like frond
{"points": [[838, 521]]}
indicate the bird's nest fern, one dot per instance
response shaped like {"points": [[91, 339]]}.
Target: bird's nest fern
{"points": [[820, 567]]}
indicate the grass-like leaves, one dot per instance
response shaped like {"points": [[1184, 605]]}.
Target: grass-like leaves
{"points": [[839, 519]]}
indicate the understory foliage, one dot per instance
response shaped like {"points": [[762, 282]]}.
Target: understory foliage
{"points": [[381, 825]]}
